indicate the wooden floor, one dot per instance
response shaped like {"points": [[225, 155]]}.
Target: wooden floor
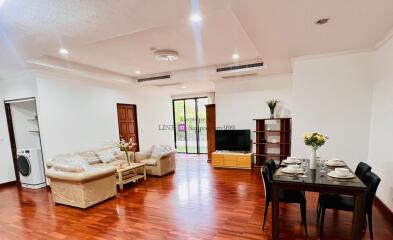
{"points": [[197, 202]]}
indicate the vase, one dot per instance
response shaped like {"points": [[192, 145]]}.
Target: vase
{"points": [[128, 158], [271, 113], [313, 158]]}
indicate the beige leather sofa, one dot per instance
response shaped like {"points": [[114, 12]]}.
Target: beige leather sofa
{"points": [[86, 188], [159, 165]]}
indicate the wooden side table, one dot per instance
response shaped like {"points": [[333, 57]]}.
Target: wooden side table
{"points": [[129, 174]]}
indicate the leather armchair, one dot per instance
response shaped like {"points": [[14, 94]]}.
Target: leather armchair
{"points": [[82, 189], [163, 164]]}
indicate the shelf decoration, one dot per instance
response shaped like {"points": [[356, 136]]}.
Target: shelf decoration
{"points": [[272, 105]]}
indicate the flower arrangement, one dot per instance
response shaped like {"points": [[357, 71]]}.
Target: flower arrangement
{"points": [[125, 146], [272, 105], [315, 140]]}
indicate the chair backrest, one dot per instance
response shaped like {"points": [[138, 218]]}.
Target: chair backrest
{"points": [[266, 182], [272, 167], [362, 169], [372, 181]]}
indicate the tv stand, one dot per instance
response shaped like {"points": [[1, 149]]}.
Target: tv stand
{"points": [[227, 159]]}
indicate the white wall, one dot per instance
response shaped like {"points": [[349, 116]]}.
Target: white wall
{"points": [[332, 95], [381, 134], [79, 115], [239, 102]]}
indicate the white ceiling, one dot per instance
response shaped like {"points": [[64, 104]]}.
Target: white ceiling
{"points": [[117, 35]]}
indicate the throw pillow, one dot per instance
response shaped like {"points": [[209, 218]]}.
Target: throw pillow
{"points": [[90, 157], [156, 152], [106, 156]]}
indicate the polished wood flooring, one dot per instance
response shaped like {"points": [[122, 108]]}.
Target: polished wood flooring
{"points": [[197, 202]]}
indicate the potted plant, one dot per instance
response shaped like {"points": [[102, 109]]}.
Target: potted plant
{"points": [[126, 147], [272, 105], [315, 140]]}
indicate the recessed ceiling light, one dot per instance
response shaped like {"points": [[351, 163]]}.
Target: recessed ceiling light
{"points": [[138, 72], [184, 87], [235, 56], [63, 51], [196, 18], [322, 21]]}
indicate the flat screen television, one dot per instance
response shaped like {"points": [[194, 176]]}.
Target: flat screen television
{"points": [[233, 140]]}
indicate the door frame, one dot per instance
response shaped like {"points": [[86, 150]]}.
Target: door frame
{"points": [[11, 133], [136, 122], [185, 120]]}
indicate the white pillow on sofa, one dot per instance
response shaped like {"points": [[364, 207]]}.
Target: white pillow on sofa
{"points": [[90, 157], [106, 156], [156, 151]]}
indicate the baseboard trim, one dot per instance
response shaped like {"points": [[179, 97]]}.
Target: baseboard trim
{"points": [[7, 184], [385, 211]]}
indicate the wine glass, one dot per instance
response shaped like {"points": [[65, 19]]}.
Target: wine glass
{"points": [[304, 167], [323, 166]]}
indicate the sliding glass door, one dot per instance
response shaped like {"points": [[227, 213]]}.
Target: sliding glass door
{"points": [[189, 117]]}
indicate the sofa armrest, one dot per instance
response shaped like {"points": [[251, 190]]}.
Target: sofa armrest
{"points": [[82, 176], [139, 156], [168, 154]]}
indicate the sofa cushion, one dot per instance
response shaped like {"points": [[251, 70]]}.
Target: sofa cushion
{"points": [[69, 167], [157, 151], [116, 151], [106, 156], [150, 161], [117, 162], [90, 157]]}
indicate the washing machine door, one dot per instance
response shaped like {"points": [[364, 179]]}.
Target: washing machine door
{"points": [[24, 166]]}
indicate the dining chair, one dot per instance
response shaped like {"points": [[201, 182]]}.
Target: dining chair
{"points": [[285, 196], [272, 167], [347, 203], [361, 170]]}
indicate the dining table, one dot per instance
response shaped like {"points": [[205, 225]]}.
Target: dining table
{"points": [[314, 180]]}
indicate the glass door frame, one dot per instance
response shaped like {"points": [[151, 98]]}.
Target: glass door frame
{"points": [[185, 121]]}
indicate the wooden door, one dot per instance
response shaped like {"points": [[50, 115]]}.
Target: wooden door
{"points": [[211, 129], [128, 124]]}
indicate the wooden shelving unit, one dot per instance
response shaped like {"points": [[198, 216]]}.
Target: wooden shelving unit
{"points": [[267, 129]]}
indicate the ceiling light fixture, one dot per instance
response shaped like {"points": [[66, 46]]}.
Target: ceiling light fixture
{"points": [[235, 56], [166, 55], [138, 72], [322, 21], [63, 51], [195, 18], [184, 87]]}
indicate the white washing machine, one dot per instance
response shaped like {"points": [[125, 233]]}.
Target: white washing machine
{"points": [[31, 168]]}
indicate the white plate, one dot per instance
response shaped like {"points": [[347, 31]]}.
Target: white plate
{"points": [[335, 163], [287, 170], [290, 161], [333, 174]]}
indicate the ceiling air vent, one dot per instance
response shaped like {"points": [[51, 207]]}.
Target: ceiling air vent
{"points": [[148, 79], [240, 68]]}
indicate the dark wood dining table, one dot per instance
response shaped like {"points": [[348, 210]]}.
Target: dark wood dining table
{"points": [[315, 181]]}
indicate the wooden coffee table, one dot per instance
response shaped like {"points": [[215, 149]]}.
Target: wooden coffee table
{"points": [[129, 173]]}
